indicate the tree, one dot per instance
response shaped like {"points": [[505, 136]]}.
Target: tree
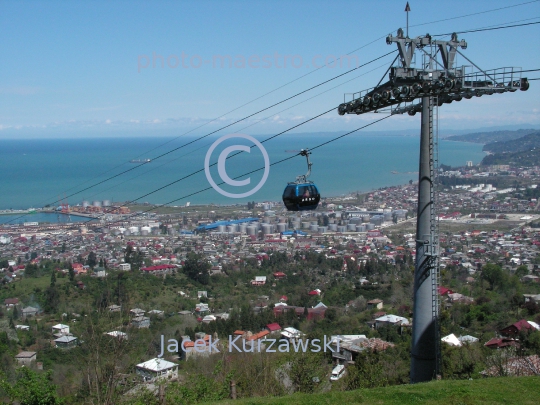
{"points": [[493, 274], [128, 254], [367, 372], [305, 370], [31, 270], [52, 299], [31, 388], [71, 273], [92, 259], [53, 278], [522, 271], [197, 268]]}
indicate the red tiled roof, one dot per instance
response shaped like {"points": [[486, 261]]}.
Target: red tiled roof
{"points": [[444, 290], [259, 335], [523, 324], [273, 327], [11, 301], [500, 342]]}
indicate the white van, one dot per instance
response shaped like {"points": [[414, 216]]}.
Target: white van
{"points": [[337, 373]]}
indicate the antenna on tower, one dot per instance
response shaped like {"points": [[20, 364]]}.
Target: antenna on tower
{"points": [[407, 9]]}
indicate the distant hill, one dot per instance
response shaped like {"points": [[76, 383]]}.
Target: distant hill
{"points": [[528, 142], [489, 137], [520, 159]]}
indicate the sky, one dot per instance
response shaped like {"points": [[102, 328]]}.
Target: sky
{"points": [[154, 68]]}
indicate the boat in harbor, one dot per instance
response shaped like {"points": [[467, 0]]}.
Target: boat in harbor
{"points": [[140, 160]]}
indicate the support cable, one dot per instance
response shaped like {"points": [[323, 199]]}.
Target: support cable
{"points": [[245, 174]]}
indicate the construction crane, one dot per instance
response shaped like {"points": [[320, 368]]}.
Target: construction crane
{"points": [[418, 87]]}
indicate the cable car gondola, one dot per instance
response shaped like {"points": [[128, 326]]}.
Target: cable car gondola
{"points": [[302, 194]]}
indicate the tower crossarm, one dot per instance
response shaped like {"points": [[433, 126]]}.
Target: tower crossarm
{"points": [[436, 75], [448, 50]]}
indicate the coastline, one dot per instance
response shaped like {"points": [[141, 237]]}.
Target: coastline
{"points": [[358, 163]]}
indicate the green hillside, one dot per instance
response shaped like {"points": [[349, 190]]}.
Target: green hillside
{"points": [[492, 136], [526, 143], [509, 390], [518, 159]]}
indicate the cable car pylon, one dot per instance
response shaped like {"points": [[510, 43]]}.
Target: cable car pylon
{"points": [[410, 89]]}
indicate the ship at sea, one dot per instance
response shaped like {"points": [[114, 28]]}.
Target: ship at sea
{"points": [[140, 160]]}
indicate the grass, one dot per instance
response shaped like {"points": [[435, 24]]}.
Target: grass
{"points": [[509, 390]]}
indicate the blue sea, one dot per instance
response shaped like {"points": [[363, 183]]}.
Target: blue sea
{"points": [[41, 172], [40, 217]]}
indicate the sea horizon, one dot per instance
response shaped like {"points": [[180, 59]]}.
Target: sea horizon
{"points": [[66, 170]]}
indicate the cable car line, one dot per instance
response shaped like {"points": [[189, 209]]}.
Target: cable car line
{"points": [[477, 13], [228, 157], [490, 29], [309, 73], [278, 88], [164, 154], [217, 130], [241, 129], [235, 122], [250, 172]]}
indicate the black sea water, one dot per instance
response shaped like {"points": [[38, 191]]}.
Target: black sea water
{"points": [[38, 172]]}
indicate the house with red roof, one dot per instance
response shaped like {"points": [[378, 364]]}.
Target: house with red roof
{"points": [[156, 260], [279, 275], [315, 313], [259, 280], [258, 336], [77, 268], [315, 292], [273, 327], [11, 302], [520, 326], [444, 291], [499, 343]]}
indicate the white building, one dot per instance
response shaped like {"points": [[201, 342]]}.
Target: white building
{"points": [[60, 329], [451, 340], [157, 368], [291, 333], [390, 320], [117, 334]]}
